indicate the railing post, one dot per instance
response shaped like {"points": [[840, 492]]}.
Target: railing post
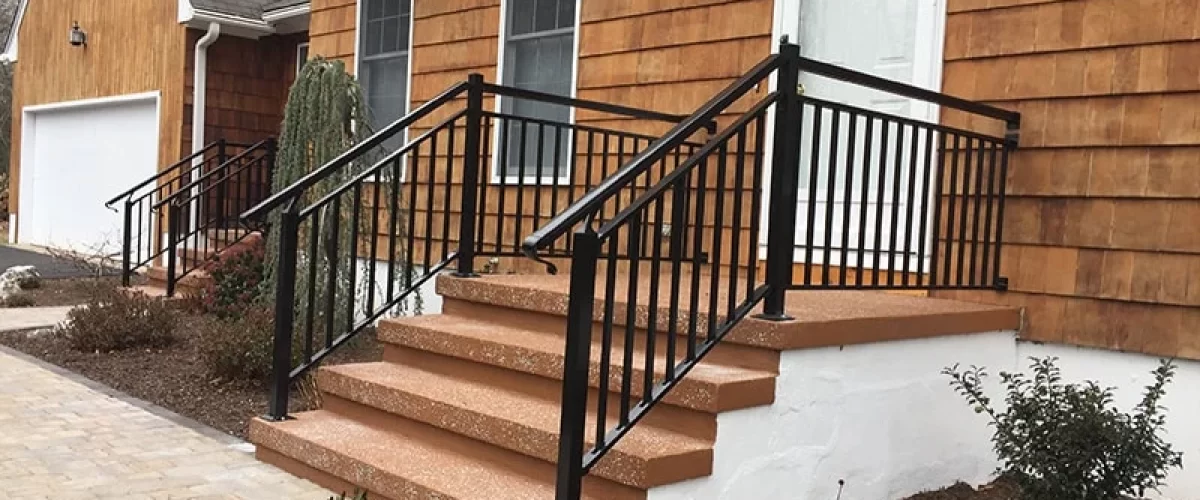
{"points": [[173, 216], [1012, 138], [470, 182], [785, 172], [285, 303], [127, 244], [586, 251]]}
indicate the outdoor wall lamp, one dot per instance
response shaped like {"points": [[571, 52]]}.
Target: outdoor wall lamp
{"points": [[77, 37]]}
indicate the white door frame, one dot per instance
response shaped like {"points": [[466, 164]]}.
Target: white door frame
{"points": [[29, 116], [927, 68]]}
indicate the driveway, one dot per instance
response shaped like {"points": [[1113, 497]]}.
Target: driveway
{"points": [[49, 267]]}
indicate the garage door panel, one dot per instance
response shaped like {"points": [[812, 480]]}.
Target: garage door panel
{"points": [[76, 158]]}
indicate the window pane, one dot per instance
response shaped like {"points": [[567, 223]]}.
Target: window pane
{"points": [[374, 9], [391, 35], [566, 13], [374, 38], [521, 13], [542, 64], [545, 17], [391, 7], [386, 87]]}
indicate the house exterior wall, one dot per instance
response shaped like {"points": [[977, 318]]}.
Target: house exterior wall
{"points": [[1102, 244], [666, 56], [133, 46], [248, 82]]}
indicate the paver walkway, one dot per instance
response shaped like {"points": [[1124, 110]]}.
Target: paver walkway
{"points": [[32, 317], [61, 440]]}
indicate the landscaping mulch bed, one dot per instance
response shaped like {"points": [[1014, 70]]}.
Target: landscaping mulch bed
{"points": [[174, 377], [68, 291], [1001, 489]]}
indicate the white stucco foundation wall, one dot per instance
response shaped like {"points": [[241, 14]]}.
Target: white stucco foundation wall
{"points": [[429, 302], [1130, 373], [884, 420], [879, 417]]}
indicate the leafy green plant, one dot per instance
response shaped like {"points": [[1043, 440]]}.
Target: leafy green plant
{"points": [[114, 320], [1061, 441], [237, 276]]}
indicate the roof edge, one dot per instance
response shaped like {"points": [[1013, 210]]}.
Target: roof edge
{"points": [[285, 13]]}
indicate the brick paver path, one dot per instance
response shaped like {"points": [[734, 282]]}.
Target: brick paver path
{"points": [[62, 440]]}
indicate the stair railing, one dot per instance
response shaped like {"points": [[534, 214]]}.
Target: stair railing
{"points": [[203, 215], [467, 183], [695, 233], [144, 224]]}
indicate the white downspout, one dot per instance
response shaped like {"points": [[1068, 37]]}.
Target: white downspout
{"points": [[199, 103], [199, 87]]}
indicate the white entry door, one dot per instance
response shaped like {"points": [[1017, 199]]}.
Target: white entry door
{"points": [[866, 202]]}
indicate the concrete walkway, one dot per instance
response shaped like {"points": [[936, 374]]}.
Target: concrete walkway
{"points": [[24, 318], [63, 438]]}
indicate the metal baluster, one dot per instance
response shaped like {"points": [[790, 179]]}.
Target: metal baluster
{"points": [[848, 198], [897, 180], [864, 200], [978, 208], [910, 201], [631, 306], [606, 336], [714, 286], [830, 194], [987, 224], [814, 169]]}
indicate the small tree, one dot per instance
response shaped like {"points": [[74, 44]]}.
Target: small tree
{"points": [[326, 114], [1067, 441]]}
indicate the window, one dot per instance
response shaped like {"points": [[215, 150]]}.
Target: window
{"points": [[301, 57], [539, 54], [383, 59]]}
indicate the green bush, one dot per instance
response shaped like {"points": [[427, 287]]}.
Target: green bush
{"points": [[1067, 441], [113, 320], [237, 275], [239, 348]]}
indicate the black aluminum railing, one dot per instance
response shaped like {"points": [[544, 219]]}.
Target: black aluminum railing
{"points": [[677, 268], [202, 216], [473, 184], [145, 222]]}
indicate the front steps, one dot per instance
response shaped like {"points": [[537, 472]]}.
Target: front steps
{"points": [[195, 259], [465, 403]]}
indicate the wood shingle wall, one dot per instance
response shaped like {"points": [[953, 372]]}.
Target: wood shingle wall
{"points": [[1102, 225]]}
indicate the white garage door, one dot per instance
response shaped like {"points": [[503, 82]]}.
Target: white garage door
{"points": [[77, 155]]}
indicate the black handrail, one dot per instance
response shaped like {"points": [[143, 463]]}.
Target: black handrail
{"points": [[186, 160], [211, 173], [693, 201], [596, 198], [683, 169], [354, 152], [605, 107], [807, 65]]}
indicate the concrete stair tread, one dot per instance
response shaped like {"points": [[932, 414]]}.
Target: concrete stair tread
{"points": [[822, 318], [708, 387], [405, 460], [646, 457]]}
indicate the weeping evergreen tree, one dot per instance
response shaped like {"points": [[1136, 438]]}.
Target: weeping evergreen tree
{"points": [[326, 115]]}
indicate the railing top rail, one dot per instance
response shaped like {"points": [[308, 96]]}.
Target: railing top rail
{"points": [[362, 176], [594, 199], [836, 72], [604, 107], [240, 156], [311, 178], [672, 177], [187, 159]]}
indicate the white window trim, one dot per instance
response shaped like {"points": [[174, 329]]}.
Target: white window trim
{"points": [[495, 175], [358, 50], [300, 62]]}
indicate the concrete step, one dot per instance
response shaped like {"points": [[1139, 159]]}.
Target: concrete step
{"points": [[513, 411], [403, 459], [708, 387]]}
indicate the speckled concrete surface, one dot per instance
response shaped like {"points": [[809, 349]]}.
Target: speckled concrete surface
{"points": [[60, 439]]}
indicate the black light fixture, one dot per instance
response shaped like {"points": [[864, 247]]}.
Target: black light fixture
{"points": [[78, 37]]}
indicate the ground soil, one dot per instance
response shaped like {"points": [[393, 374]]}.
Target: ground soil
{"points": [[174, 377], [1001, 489], [68, 291]]}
